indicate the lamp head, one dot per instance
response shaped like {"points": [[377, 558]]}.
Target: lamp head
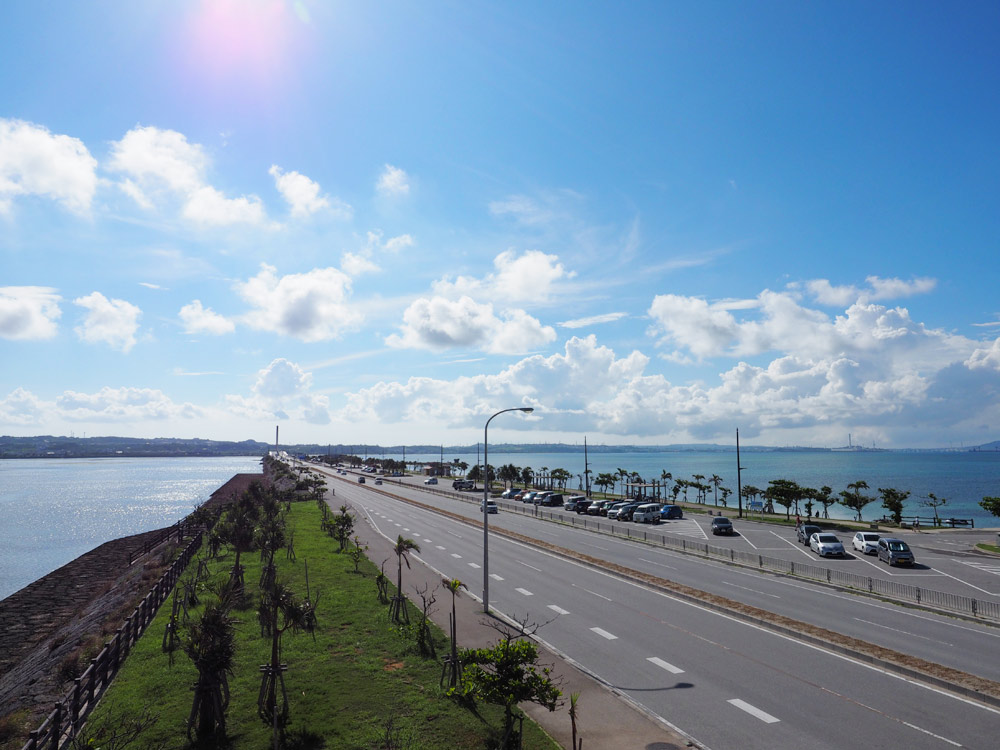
{"points": [[527, 409]]}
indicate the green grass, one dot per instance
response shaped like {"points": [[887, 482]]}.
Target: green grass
{"points": [[343, 686], [989, 548]]}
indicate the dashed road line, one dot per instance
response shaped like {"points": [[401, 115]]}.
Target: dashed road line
{"points": [[558, 610], [495, 577], [605, 634], [438, 546], [664, 665], [745, 588], [537, 570], [473, 565], [524, 591], [456, 555], [753, 711], [602, 596]]}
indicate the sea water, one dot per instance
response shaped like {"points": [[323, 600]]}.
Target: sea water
{"points": [[54, 510]]}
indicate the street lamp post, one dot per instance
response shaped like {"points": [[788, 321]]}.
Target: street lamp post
{"points": [[486, 499]]}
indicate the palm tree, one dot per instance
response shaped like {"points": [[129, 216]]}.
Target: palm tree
{"points": [[698, 485], [622, 474], [211, 645], [715, 481], [397, 610], [452, 664], [282, 611], [526, 475], [665, 476]]}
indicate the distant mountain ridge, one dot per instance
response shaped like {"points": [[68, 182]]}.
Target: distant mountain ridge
{"points": [[48, 446]]}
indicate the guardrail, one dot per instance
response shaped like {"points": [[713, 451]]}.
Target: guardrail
{"points": [[69, 714], [889, 589]]}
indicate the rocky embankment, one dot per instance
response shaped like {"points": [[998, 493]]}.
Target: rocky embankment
{"points": [[50, 629]]}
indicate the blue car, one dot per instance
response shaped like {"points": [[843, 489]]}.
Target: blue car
{"points": [[671, 512]]}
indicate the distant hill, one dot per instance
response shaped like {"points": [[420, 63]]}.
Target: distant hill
{"points": [[48, 446]]}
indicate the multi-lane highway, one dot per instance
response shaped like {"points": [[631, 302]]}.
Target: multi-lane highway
{"points": [[725, 682]]}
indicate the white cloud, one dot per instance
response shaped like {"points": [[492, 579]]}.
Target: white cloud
{"points": [[21, 407], [282, 391], [303, 195], [112, 322], [393, 181], [312, 306], [878, 289], [988, 358], [33, 161], [523, 209], [161, 164], [355, 264], [28, 313], [593, 320], [198, 319], [396, 244], [122, 405], [440, 323], [531, 277]]}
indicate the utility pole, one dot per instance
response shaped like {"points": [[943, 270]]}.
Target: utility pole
{"points": [[739, 482]]}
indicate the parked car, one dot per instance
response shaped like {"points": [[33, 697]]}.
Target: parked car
{"points": [[509, 494], [671, 512], [541, 495], [574, 502], [491, 506], [805, 531], [866, 542], [594, 509], [625, 514], [722, 525], [614, 510], [554, 500], [894, 551], [431, 480], [826, 545], [647, 513], [528, 497]]}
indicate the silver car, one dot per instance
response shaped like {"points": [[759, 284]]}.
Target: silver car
{"points": [[826, 545]]}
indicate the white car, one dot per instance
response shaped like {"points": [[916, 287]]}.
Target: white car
{"points": [[648, 513], [826, 545], [491, 506], [866, 542], [431, 480]]}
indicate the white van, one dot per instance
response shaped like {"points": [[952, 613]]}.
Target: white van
{"points": [[648, 513]]}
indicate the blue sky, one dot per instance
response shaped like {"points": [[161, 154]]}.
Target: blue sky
{"points": [[383, 222]]}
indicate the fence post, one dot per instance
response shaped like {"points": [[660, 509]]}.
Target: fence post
{"points": [[74, 707], [33, 739], [974, 608], [92, 684], [918, 594], [57, 726], [760, 561]]}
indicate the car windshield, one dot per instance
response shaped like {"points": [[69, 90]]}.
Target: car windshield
{"points": [[870, 537], [828, 539], [898, 547]]}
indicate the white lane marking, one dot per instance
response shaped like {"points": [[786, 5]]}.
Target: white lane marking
{"points": [[406, 528], [664, 665], [397, 524], [473, 565], [524, 591], [795, 545], [753, 711], [596, 546], [427, 541], [935, 736], [744, 536], [438, 546], [456, 555], [558, 610], [746, 588], [495, 577], [904, 632], [605, 634], [653, 562], [537, 570], [990, 593], [605, 598]]}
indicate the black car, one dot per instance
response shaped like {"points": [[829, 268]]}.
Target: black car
{"points": [[722, 525], [625, 514], [554, 500], [574, 503], [806, 530]]}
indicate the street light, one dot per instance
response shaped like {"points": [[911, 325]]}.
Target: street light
{"points": [[486, 500]]}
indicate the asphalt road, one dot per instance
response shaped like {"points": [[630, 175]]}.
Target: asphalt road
{"points": [[726, 683]]}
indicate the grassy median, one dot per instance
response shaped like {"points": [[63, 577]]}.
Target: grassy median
{"points": [[356, 683]]}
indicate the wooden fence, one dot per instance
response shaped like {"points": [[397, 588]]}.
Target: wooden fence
{"points": [[69, 714]]}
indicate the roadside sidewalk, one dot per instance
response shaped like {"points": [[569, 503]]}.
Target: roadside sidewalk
{"points": [[606, 720]]}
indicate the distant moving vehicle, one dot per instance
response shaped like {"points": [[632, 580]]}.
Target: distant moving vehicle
{"points": [[805, 531], [378, 480], [894, 551], [647, 513], [361, 480], [671, 512], [866, 542], [463, 484], [826, 545], [431, 480], [722, 525], [491, 506]]}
